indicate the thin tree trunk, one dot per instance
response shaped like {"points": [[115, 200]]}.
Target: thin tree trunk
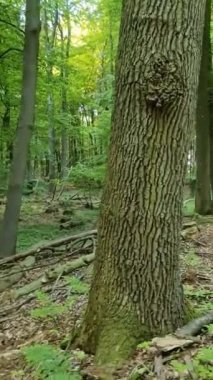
{"points": [[9, 230], [136, 290], [49, 46], [51, 144], [64, 105], [203, 195]]}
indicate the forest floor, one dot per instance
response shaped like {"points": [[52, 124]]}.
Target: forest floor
{"points": [[34, 325]]}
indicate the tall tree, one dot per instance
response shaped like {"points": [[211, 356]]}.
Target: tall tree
{"points": [[211, 109], [203, 188], [136, 290], [50, 37], [65, 54], [8, 234]]}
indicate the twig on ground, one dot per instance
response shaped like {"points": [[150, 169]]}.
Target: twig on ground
{"points": [[159, 368]]}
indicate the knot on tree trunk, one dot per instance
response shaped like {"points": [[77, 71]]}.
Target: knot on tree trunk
{"points": [[164, 83]]}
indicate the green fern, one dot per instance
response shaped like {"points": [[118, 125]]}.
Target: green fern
{"points": [[49, 363], [200, 363], [48, 308], [144, 346], [179, 366], [210, 329], [205, 353]]}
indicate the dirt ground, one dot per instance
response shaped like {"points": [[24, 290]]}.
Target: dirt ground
{"points": [[20, 326]]}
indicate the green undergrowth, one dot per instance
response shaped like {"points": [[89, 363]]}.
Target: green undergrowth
{"points": [[44, 360], [200, 366], [48, 362], [32, 234], [52, 310], [200, 299]]}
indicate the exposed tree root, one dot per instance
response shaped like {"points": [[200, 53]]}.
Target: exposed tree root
{"points": [[193, 327]]}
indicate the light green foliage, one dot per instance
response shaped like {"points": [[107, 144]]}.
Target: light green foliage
{"points": [[210, 329], [49, 309], [76, 285], [49, 363], [89, 175], [33, 234], [87, 87], [201, 366], [144, 346], [191, 259], [179, 366]]}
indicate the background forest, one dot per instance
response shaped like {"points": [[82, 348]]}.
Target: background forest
{"points": [[78, 43], [52, 176]]}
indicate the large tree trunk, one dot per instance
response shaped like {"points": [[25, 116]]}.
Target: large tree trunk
{"points": [[211, 113], [24, 131], [136, 290], [203, 194]]}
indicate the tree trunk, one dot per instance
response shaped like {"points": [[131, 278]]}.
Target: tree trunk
{"points": [[203, 195], [136, 290], [24, 131], [51, 144], [211, 113], [65, 54], [50, 36]]}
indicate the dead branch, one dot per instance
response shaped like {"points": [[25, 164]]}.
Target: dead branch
{"points": [[52, 274], [16, 273], [159, 368], [39, 248], [15, 306]]}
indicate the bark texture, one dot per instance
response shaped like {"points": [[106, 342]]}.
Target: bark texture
{"points": [[24, 131], [136, 290], [203, 188]]}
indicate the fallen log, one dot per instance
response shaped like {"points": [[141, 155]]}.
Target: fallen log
{"points": [[52, 274], [16, 273], [38, 248]]}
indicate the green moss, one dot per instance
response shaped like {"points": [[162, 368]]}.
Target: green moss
{"points": [[117, 341]]}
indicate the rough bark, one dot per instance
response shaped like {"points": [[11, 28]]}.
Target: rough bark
{"points": [[203, 194], [24, 131], [136, 291], [211, 114]]}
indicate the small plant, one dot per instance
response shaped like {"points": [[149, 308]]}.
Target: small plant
{"points": [[144, 346], [210, 329], [201, 298], [51, 310], [192, 259], [48, 308], [76, 285], [49, 363]]}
